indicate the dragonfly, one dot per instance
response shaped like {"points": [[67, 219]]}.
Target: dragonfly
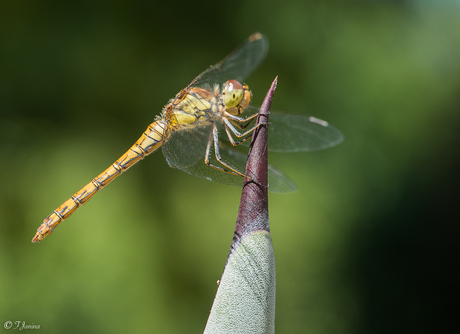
{"points": [[214, 106]]}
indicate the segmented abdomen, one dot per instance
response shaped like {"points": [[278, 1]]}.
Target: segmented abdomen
{"points": [[155, 136]]}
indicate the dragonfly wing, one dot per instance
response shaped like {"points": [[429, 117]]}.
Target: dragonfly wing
{"points": [[186, 147], [278, 181], [238, 65], [294, 133], [186, 151]]}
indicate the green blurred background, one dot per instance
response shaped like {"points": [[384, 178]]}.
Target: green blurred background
{"points": [[368, 244]]}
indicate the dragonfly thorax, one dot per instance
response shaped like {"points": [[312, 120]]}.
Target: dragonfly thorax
{"points": [[192, 106], [196, 106]]}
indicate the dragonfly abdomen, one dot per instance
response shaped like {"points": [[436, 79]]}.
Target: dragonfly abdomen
{"points": [[151, 140]]}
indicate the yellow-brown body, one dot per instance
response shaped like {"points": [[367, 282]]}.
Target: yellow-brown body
{"points": [[190, 108]]}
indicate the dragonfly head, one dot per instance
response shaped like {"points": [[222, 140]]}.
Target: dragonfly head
{"points": [[236, 97]]}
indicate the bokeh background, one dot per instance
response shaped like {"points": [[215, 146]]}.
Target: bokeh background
{"points": [[368, 244]]}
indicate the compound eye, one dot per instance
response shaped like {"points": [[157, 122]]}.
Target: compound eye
{"points": [[232, 93]]}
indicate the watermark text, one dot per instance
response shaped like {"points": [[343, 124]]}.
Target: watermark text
{"points": [[19, 325]]}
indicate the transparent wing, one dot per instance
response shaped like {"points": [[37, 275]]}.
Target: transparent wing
{"points": [[294, 133], [186, 147], [186, 150], [278, 181], [238, 65]]}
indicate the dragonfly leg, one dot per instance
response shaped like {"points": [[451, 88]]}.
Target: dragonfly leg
{"points": [[215, 138], [241, 126], [230, 137], [241, 123], [229, 128]]}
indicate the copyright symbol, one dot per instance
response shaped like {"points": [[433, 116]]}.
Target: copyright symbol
{"points": [[7, 324]]}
